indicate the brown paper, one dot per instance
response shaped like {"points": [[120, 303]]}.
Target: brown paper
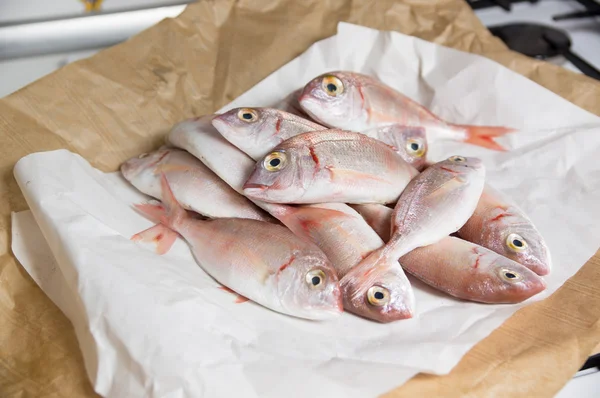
{"points": [[120, 102]]}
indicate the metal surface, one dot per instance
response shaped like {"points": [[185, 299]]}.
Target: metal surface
{"points": [[36, 38]]}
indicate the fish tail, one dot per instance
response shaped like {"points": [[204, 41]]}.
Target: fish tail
{"points": [[170, 215], [174, 213], [484, 135], [162, 236]]}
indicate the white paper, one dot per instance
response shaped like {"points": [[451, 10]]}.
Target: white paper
{"points": [[158, 326]]}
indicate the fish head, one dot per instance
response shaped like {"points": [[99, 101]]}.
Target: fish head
{"points": [[278, 176], [462, 167], [378, 291], [335, 99], [512, 235], [410, 142], [145, 162], [309, 286], [250, 129], [504, 281]]}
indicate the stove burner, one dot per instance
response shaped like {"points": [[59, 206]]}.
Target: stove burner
{"points": [[592, 9], [504, 4], [542, 42]]}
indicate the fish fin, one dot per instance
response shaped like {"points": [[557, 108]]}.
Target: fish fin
{"points": [[155, 212], [174, 212], [168, 168], [484, 135], [159, 234], [240, 299]]}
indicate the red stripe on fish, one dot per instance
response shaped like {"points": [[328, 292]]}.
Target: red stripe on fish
{"points": [[284, 266], [314, 156], [501, 215], [278, 126], [475, 251]]}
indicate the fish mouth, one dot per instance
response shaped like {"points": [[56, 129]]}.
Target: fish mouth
{"points": [[220, 124], [255, 186], [540, 268], [307, 101], [253, 190]]}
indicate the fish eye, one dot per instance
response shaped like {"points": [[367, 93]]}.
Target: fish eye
{"points": [[516, 243], [315, 278], [247, 115], [378, 296], [510, 275], [275, 161], [332, 86], [457, 159], [415, 147]]}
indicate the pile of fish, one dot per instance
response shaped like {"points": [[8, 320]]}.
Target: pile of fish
{"points": [[322, 203]]}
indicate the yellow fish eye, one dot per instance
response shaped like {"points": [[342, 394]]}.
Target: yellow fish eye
{"points": [[315, 278], [332, 86], [516, 243], [457, 159], [378, 296], [275, 161], [247, 115], [510, 275], [415, 147]]}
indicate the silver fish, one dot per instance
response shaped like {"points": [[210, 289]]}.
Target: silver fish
{"points": [[194, 185], [256, 131]]}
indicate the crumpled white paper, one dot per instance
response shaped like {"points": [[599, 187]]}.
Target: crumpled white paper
{"points": [[158, 326]]}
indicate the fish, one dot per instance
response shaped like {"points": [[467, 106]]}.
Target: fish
{"points": [[379, 218], [256, 131], [346, 239], [335, 228], [357, 102], [330, 166], [472, 272], [435, 204], [460, 268], [503, 227], [261, 261], [198, 137], [194, 185]]}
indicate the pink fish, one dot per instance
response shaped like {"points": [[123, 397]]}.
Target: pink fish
{"points": [[357, 102], [195, 186], [335, 228], [257, 131], [435, 204], [499, 225], [330, 166], [460, 268], [261, 261]]}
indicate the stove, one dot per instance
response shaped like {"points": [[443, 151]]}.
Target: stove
{"points": [[568, 31]]}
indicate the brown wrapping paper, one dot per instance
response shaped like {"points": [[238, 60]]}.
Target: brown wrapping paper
{"points": [[120, 103]]}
